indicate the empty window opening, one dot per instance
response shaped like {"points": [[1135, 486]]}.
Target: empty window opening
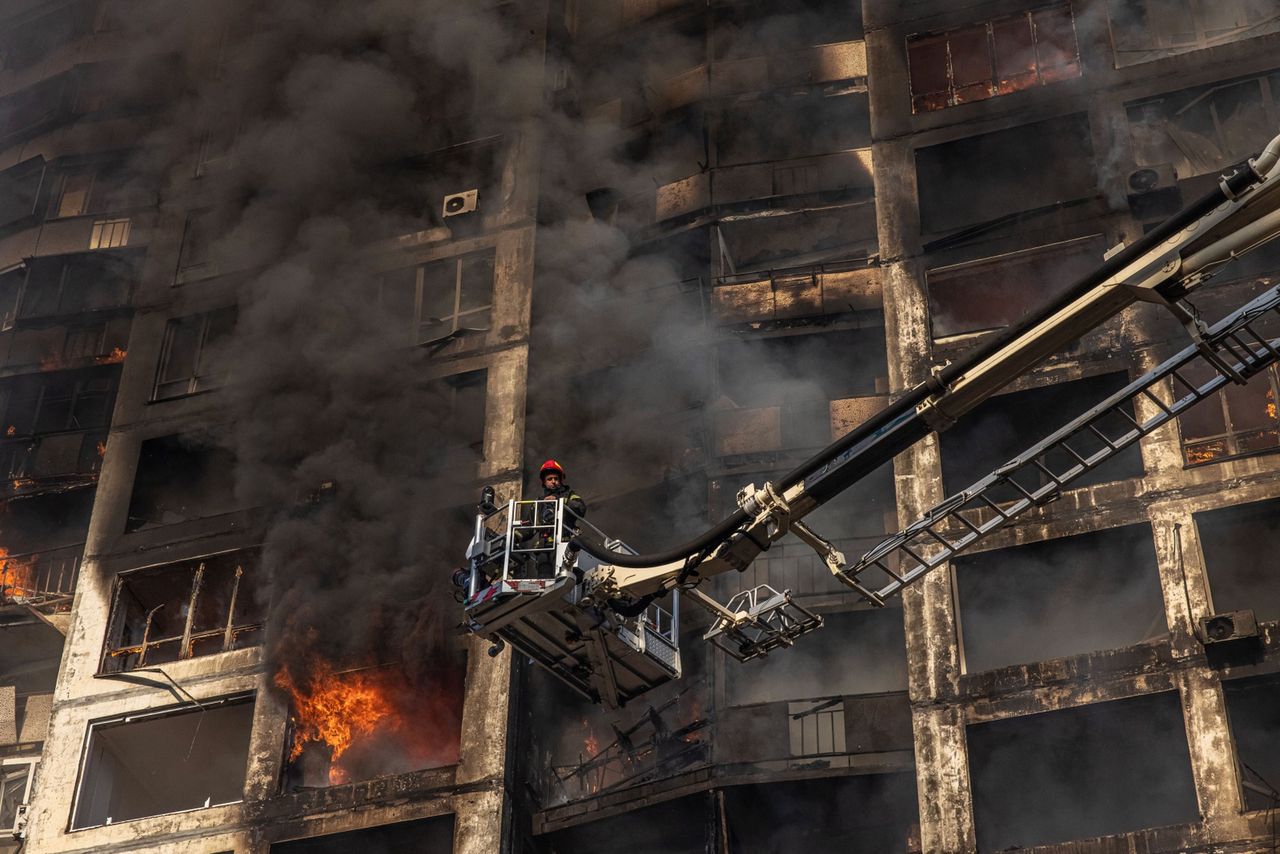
{"points": [[1233, 538], [1083, 772], [74, 284], [782, 127], [992, 58], [1236, 421], [679, 826], [424, 836], [996, 292], [58, 402], [984, 178], [180, 478], [152, 763], [185, 610], [20, 188], [1060, 597], [816, 815], [773, 26], [1207, 128], [1144, 30], [798, 371], [789, 241], [196, 354], [819, 665], [455, 421], [1253, 707], [40, 552], [1002, 427]]}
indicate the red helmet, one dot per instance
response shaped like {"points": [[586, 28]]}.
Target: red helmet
{"points": [[550, 467]]}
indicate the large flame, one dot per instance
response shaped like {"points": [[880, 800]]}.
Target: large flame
{"points": [[371, 720], [17, 577]]}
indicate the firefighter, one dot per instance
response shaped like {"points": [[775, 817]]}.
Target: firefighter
{"points": [[553, 486]]}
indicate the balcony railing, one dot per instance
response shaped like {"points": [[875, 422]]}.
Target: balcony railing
{"points": [[41, 579]]}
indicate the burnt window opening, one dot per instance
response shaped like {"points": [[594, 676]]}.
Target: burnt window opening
{"points": [[455, 421], [152, 763], [181, 611], [1253, 709], [1232, 539], [1144, 30], [819, 666], [1059, 598], [97, 189], [760, 27], [196, 354], [180, 478], [992, 176], [794, 370], [785, 126], [198, 234], [680, 826], [20, 189], [992, 293], [27, 111], [429, 835], [1082, 772], [447, 298], [64, 285], [673, 147], [837, 234], [58, 402], [992, 58], [1236, 421], [1206, 128], [1001, 428], [815, 816]]}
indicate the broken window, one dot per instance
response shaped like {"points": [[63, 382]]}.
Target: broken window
{"points": [[786, 241], [451, 297], [992, 293], [819, 664], [1253, 708], [17, 773], [1236, 421], [180, 478], [1004, 426], [785, 126], [983, 178], [1143, 30], [72, 284], [196, 354], [1207, 128], [155, 762], [184, 610], [35, 404], [1077, 773], [815, 816], [1232, 538], [1060, 597], [996, 57], [427, 835]]}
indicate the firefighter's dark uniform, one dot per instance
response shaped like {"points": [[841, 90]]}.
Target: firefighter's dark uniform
{"points": [[543, 563]]}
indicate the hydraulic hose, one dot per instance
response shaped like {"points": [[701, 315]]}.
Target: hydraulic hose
{"points": [[898, 426]]}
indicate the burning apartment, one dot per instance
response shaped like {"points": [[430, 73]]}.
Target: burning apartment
{"points": [[284, 285]]}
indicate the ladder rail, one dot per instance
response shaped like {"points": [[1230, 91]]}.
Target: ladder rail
{"points": [[945, 530]]}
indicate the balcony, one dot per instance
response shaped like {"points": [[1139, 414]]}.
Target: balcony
{"points": [[796, 293]]}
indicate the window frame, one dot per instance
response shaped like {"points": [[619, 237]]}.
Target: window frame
{"points": [[921, 102], [230, 630], [213, 380], [1230, 438], [452, 324]]}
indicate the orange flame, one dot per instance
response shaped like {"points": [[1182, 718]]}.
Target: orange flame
{"points": [[117, 354], [351, 710], [17, 577], [102, 447], [590, 743]]}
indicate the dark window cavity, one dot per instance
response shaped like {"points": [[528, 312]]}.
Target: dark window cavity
{"points": [[1090, 771], [1058, 598], [1236, 421], [987, 177], [1143, 30], [428, 835], [184, 610], [180, 478], [1253, 707], [153, 763], [1004, 426], [1235, 541]]}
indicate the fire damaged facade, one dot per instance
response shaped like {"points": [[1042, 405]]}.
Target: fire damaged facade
{"points": [[283, 289]]}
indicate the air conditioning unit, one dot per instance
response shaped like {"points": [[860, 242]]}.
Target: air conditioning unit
{"points": [[1153, 192], [456, 204], [1228, 627]]}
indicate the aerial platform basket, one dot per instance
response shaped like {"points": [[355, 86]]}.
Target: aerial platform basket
{"points": [[523, 590]]}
